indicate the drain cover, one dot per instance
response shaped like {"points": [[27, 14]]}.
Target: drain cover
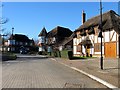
{"points": [[74, 85]]}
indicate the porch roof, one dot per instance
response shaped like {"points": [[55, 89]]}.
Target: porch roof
{"points": [[86, 41]]}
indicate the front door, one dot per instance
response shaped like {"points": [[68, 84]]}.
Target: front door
{"points": [[110, 50]]}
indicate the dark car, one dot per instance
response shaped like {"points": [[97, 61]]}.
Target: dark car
{"points": [[23, 51]]}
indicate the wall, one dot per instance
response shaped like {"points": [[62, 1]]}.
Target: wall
{"points": [[75, 43]]}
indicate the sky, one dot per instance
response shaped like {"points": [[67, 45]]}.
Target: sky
{"points": [[29, 18]]}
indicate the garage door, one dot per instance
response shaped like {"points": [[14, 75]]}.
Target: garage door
{"points": [[110, 50]]}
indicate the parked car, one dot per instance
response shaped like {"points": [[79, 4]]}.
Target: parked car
{"points": [[23, 51]]}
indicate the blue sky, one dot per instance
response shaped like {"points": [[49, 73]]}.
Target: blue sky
{"points": [[30, 17]]}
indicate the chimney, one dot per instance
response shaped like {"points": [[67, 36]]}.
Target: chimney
{"points": [[83, 17]]}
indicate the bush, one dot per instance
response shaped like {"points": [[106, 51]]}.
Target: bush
{"points": [[8, 56], [42, 53], [64, 54], [12, 57], [70, 54]]}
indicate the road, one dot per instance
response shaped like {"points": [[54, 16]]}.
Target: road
{"points": [[43, 73]]}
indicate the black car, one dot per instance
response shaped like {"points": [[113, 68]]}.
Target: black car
{"points": [[23, 51]]}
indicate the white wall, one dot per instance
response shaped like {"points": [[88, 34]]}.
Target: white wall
{"points": [[114, 35], [83, 49], [74, 50], [92, 51], [42, 39], [95, 39], [41, 49], [107, 37], [110, 35], [75, 43]]}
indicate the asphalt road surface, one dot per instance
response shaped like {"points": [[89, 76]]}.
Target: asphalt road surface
{"points": [[43, 73]]}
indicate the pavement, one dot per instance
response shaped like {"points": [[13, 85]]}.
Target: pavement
{"points": [[91, 68]]}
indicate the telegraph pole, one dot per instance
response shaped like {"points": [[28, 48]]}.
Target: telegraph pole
{"points": [[101, 30]]}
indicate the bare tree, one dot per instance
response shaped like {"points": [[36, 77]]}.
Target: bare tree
{"points": [[36, 41], [3, 20], [8, 34]]}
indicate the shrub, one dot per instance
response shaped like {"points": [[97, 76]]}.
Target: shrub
{"points": [[8, 56], [70, 54]]}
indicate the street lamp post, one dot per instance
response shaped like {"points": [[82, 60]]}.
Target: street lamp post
{"points": [[12, 40], [101, 29]]}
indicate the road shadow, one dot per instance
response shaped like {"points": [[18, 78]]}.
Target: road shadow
{"points": [[31, 58], [113, 68], [82, 58]]}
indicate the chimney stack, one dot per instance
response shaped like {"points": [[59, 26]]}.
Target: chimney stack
{"points": [[83, 16]]}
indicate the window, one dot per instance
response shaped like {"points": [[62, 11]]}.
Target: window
{"points": [[31, 44], [42, 39], [46, 40], [21, 43], [97, 47], [26, 43], [11, 42], [79, 48], [53, 40], [17, 43]]}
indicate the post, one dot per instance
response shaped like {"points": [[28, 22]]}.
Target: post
{"points": [[101, 29], [12, 40]]}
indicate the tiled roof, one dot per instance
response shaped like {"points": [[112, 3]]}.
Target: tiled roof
{"points": [[60, 31], [20, 37], [43, 32]]}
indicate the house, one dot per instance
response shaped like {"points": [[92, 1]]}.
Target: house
{"points": [[42, 40], [67, 43], [56, 36], [18, 41], [88, 42]]}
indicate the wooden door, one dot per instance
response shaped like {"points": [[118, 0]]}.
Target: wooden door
{"points": [[110, 50]]}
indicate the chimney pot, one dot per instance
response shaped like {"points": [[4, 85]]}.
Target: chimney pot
{"points": [[83, 16]]}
